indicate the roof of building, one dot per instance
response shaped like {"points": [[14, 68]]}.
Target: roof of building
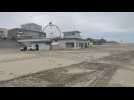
{"points": [[69, 32], [3, 29], [80, 39], [31, 24], [25, 30], [34, 40]]}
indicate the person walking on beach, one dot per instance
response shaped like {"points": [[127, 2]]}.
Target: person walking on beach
{"points": [[37, 47]]}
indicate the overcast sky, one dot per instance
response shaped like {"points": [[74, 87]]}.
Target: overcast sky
{"points": [[117, 26]]}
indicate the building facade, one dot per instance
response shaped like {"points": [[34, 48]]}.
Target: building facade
{"points": [[3, 33], [43, 44], [71, 40], [32, 27], [31, 35], [72, 34], [18, 33], [29, 38], [71, 44]]}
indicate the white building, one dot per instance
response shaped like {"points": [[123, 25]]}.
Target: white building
{"points": [[71, 39], [32, 27], [19, 33], [72, 34], [43, 44], [3, 33], [70, 44]]}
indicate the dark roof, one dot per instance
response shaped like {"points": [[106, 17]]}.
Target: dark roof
{"points": [[25, 30], [74, 39], [14, 29], [71, 32], [31, 24]]}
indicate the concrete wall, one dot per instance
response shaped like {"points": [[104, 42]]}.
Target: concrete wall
{"points": [[12, 34], [77, 44], [3, 33], [58, 45], [43, 46]]}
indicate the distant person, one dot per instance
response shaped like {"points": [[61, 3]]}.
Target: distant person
{"points": [[37, 47], [25, 48]]}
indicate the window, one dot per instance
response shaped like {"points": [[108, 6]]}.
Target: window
{"points": [[1, 32], [20, 31], [73, 33]]}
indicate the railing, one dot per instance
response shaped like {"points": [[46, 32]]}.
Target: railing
{"points": [[33, 39], [72, 37], [21, 38]]}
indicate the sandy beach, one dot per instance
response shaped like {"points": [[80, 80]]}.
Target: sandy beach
{"points": [[110, 65]]}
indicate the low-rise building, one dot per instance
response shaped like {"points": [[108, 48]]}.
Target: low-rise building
{"points": [[3, 33], [32, 27], [29, 38], [72, 34], [18, 33], [71, 40], [43, 44], [70, 44]]}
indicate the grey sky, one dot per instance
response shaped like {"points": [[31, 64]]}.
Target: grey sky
{"points": [[110, 25]]}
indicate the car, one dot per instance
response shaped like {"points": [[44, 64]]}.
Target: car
{"points": [[31, 48], [23, 48]]}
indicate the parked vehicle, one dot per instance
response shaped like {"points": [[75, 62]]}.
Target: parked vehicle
{"points": [[31, 48], [23, 48]]}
